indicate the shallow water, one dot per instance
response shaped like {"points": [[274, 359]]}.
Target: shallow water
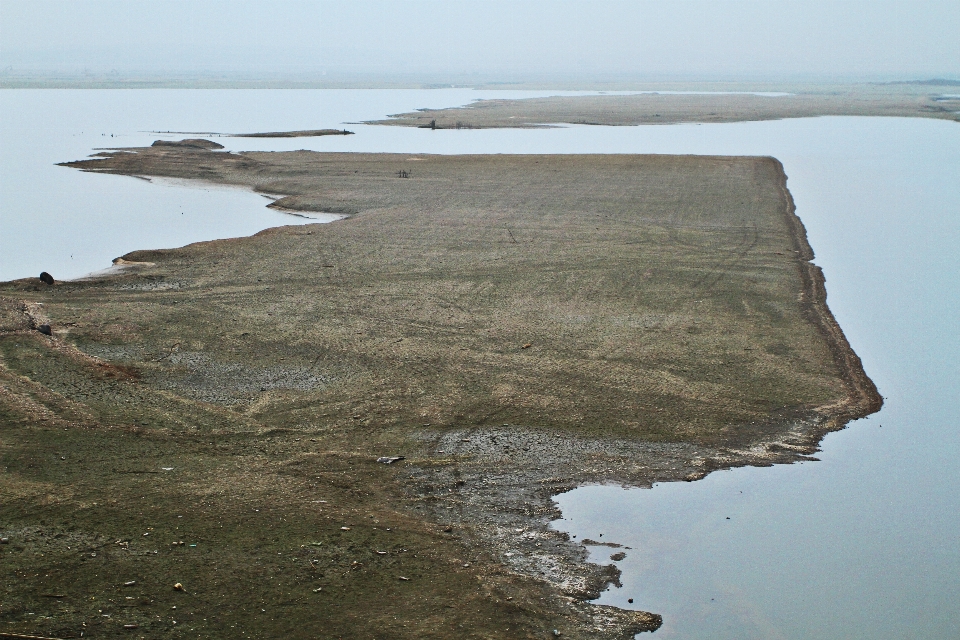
{"points": [[864, 544]]}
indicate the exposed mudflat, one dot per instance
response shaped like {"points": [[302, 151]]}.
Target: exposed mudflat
{"points": [[513, 326]]}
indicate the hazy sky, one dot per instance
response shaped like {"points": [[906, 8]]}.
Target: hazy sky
{"points": [[720, 38]]}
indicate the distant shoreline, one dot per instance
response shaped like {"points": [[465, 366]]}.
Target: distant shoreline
{"points": [[11, 81]]}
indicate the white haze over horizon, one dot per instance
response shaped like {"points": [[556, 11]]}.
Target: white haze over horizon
{"points": [[516, 40]]}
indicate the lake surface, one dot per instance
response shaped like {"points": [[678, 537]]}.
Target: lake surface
{"points": [[863, 544]]}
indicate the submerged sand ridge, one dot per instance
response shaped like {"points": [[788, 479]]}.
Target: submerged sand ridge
{"points": [[513, 325]]}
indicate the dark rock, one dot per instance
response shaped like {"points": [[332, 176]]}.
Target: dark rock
{"points": [[45, 330], [46, 278]]}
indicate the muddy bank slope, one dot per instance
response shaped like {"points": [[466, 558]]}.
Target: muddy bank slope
{"points": [[512, 326]]}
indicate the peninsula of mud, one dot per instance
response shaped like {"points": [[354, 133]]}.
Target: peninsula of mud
{"points": [[356, 429]]}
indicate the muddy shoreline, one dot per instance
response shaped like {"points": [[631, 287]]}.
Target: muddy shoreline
{"points": [[863, 397]]}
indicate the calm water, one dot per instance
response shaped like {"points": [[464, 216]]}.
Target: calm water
{"points": [[864, 544]]}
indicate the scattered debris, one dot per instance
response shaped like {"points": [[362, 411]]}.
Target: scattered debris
{"points": [[405, 579], [46, 278], [630, 600], [448, 529], [178, 587], [4, 540], [526, 346], [130, 583], [344, 528], [318, 590], [617, 557], [390, 459], [131, 626]]}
